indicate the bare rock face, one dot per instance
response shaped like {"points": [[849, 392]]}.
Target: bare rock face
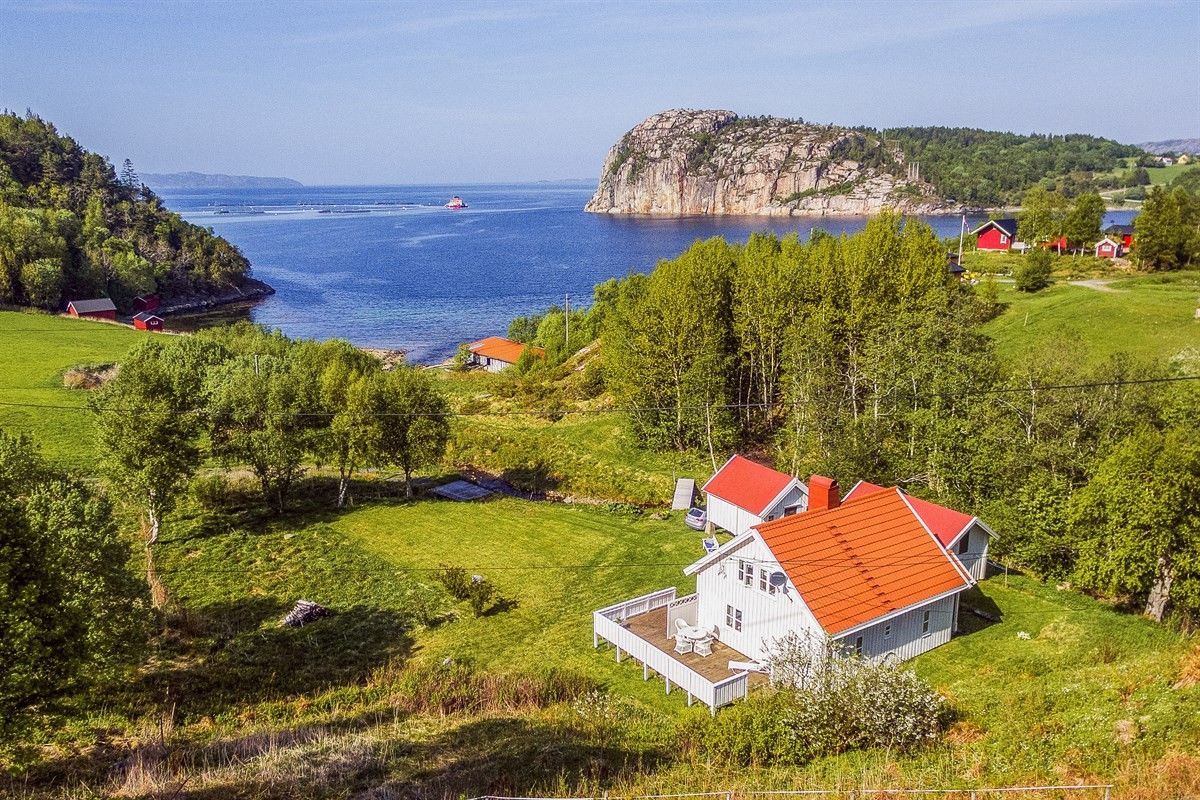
{"points": [[685, 162]]}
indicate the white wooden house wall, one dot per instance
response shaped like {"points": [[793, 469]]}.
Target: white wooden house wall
{"points": [[489, 364], [737, 520], [904, 636], [975, 557], [765, 616]]}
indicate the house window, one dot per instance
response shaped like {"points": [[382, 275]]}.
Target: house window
{"points": [[887, 631], [964, 543], [858, 645], [733, 618], [924, 623], [1003, 239], [764, 581], [745, 573]]}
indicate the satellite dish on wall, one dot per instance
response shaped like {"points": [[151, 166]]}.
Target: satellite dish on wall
{"points": [[777, 579]]}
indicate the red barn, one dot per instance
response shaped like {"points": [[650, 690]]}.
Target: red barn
{"points": [[99, 308], [146, 302], [145, 321], [1108, 248], [996, 234]]}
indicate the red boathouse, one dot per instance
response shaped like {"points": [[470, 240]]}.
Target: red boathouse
{"points": [[99, 308], [1107, 248], [146, 302], [996, 234], [145, 321]]}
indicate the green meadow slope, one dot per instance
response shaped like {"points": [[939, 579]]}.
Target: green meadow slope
{"points": [[35, 350]]}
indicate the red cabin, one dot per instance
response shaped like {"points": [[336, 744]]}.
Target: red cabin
{"points": [[145, 321], [146, 302], [99, 308], [996, 234], [1108, 248]]}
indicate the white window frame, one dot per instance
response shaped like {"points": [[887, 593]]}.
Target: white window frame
{"points": [[733, 618], [764, 581], [964, 544], [858, 646], [887, 631], [925, 626], [745, 572], [1003, 239]]}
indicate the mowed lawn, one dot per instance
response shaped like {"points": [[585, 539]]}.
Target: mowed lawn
{"points": [[35, 350], [1147, 317]]}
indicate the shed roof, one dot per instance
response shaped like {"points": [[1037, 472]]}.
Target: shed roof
{"points": [[146, 316], [862, 560], [747, 484], [502, 349], [1007, 225], [89, 306]]}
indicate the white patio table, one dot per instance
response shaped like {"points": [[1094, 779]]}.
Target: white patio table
{"points": [[695, 633]]}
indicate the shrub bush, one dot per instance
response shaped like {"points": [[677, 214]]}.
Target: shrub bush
{"points": [[825, 703], [1033, 271], [456, 581], [480, 592]]}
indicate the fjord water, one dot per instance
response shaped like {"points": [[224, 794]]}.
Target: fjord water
{"points": [[391, 267]]}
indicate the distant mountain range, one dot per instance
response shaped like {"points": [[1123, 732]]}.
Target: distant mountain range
{"points": [[1172, 146], [204, 180]]}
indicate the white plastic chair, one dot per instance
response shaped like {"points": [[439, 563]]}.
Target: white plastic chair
{"points": [[703, 647], [683, 646]]}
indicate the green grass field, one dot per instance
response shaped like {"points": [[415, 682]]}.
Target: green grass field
{"points": [[35, 350], [1149, 316], [1062, 689]]}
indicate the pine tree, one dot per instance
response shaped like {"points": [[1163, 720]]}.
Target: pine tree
{"points": [[129, 176]]}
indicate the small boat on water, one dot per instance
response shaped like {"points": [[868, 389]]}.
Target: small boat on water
{"points": [[456, 203]]}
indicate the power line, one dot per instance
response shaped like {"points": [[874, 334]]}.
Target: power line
{"points": [[622, 409]]}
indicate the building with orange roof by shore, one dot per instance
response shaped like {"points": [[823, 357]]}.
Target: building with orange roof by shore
{"points": [[495, 353]]}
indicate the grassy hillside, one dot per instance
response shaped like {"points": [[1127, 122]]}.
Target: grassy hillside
{"points": [[1062, 689], [1146, 316], [36, 350]]}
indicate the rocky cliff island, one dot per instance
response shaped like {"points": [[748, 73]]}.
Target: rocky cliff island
{"points": [[715, 162]]}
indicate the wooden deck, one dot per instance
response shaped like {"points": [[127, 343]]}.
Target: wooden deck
{"points": [[652, 627]]}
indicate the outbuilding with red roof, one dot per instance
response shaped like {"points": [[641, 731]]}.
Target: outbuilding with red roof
{"points": [[744, 493]]}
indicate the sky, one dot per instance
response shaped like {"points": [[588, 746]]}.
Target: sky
{"points": [[405, 92]]}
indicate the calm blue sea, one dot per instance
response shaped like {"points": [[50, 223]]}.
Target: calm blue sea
{"points": [[390, 266]]}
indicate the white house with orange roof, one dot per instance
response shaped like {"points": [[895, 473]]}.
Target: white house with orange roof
{"points": [[877, 571], [743, 493], [495, 353]]}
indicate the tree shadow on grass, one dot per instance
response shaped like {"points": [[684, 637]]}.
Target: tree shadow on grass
{"points": [[535, 479], [237, 654]]}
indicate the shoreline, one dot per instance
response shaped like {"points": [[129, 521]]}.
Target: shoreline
{"points": [[251, 291]]}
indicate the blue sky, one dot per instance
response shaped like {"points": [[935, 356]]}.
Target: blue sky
{"points": [[356, 92]]}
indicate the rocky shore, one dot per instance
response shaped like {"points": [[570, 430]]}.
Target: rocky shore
{"points": [[251, 290], [685, 162]]}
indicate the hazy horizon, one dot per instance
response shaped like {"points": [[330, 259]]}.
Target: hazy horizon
{"points": [[391, 94]]}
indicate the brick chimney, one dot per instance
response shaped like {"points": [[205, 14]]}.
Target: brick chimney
{"points": [[823, 493]]}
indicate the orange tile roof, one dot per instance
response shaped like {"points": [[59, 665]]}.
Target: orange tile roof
{"points": [[862, 560], [502, 349], [747, 484]]}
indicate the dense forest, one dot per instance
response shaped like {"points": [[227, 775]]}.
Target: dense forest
{"points": [[71, 228], [990, 168], [861, 358]]}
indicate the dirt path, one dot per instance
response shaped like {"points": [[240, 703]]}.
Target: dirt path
{"points": [[1099, 284]]}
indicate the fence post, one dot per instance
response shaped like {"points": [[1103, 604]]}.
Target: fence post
{"points": [[1108, 792]]}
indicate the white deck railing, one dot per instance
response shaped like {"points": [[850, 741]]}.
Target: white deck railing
{"points": [[606, 625]]}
